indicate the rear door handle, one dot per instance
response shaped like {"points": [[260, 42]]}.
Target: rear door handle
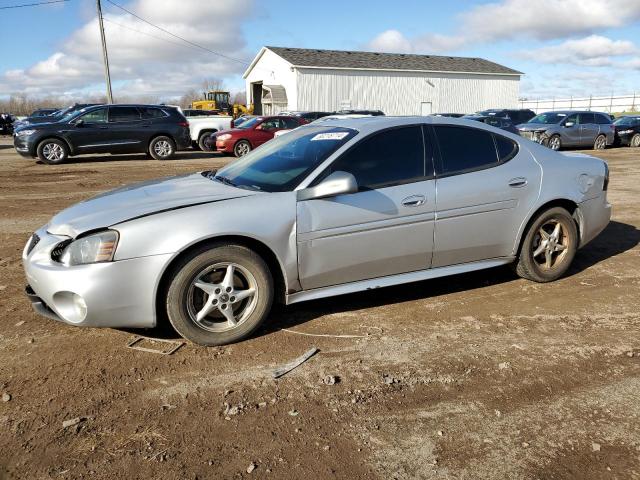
{"points": [[518, 182], [414, 201]]}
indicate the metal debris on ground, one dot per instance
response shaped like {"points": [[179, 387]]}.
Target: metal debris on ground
{"points": [[279, 372], [136, 341]]}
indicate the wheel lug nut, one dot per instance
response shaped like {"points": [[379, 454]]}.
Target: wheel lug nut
{"points": [[218, 290], [223, 306], [215, 302], [233, 299], [228, 289]]}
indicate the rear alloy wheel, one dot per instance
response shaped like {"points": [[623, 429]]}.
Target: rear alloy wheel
{"points": [[241, 148], [635, 141], [162, 148], [554, 142], [600, 143], [53, 151], [548, 247], [219, 295]]}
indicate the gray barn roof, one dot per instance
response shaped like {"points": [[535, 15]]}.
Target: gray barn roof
{"points": [[304, 57]]}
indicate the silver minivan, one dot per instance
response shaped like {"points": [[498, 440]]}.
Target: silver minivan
{"points": [[570, 129]]}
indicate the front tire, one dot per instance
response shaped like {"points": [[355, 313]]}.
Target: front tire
{"points": [[162, 148], [600, 143], [219, 295], [53, 151], [554, 143], [549, 246], [241, 148]]}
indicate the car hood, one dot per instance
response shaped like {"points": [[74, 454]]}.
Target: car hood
{"points": [[528, 127], [140, 200]]}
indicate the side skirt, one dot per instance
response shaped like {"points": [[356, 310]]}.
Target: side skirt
{"points": [[391, 280]]}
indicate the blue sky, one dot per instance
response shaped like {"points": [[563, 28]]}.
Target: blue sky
{"points": [[565, 47]]}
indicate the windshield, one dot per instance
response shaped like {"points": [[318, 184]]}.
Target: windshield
{"points": [[282, 163], [631, 121], [548, 118], [249, 123]]}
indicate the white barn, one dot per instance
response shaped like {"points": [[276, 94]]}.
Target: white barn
{"points": [[398, 84]]}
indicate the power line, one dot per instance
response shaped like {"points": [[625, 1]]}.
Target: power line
{"points": [[33, 4], [244, 62], [147, 34]]}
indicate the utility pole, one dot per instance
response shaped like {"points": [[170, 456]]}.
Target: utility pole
{"points": [[104, 53]]}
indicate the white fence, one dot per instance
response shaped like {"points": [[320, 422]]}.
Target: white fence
{"points": [[611, 104]]}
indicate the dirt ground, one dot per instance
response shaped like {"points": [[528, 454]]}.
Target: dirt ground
{"points": [[478, 376]]}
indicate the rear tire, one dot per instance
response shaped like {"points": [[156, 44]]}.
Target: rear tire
{"points": [[635, 141], [244, 296], [162, 148], [202, 141], [241, 148], [53, 151], [549, 246], [600, 143]]}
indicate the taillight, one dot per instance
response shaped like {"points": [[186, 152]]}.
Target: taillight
{"points": [[183, 124], [605, 184]]}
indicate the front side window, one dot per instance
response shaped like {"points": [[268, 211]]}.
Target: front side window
{"points": [[95, 116], [290, 123], [464, 149], [123, 114], [392, 157], [572, 119], [271, 124], [282, 163]]}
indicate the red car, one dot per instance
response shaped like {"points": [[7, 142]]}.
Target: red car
{"points": [[253, 133]]}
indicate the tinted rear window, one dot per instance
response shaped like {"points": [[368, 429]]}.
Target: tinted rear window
{"points": [[464, 149], [602, 119], [152, 112], [123, 114]]}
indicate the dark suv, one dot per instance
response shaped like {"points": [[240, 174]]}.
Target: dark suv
{"points": [[154, 129], [517, 116]]}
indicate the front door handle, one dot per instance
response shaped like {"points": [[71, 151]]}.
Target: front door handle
{"points": [[518, 182], [414, 201]]}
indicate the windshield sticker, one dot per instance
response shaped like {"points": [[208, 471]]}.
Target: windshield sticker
{"points": [[330, 136]]}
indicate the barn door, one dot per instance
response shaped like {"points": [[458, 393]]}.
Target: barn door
{"points": [[426, 108]]}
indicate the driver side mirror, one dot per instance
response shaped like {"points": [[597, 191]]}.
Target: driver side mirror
{"points": [[338, 183], [569, 124], [79, 123]]}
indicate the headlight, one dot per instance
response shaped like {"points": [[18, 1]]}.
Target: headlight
{"points": [[224, 136], [26, 133], [99, 247], [624, 132]]}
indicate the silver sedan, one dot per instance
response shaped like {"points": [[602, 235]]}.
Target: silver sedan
{"points": [[328, 209]]}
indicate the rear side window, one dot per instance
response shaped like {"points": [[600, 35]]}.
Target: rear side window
{"points": [[602, 119], [151, 112], [507, 148], [123, 114], [392, 157], [464, 149], [290, 123], [586, 118]]}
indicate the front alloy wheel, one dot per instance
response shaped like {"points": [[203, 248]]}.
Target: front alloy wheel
{"points": [[555, 143], [219, 294], [53, 151]]}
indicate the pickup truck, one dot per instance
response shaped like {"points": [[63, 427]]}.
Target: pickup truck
{"points": [[202, 127]]}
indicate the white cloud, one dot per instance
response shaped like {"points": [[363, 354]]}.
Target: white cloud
{"points": [[144, 62], [546, 19], [393, 41], [593, 51], [518, 19]]}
